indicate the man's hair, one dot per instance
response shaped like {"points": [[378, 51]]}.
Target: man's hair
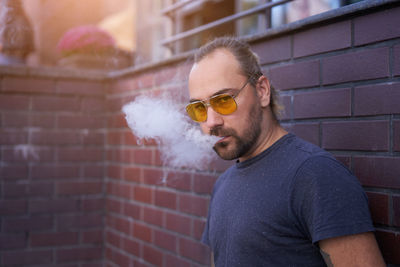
{"points": [[248, 61]]}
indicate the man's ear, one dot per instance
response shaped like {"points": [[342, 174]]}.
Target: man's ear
{"points": [[263, 89]]}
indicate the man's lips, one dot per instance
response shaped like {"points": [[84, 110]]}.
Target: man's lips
{"points": [[223, 138]]}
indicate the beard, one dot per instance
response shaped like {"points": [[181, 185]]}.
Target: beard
{"points": [[240, 144]]}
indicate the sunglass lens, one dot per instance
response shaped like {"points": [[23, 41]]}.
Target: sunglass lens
{"points": [[197, 111], [223, 104]]}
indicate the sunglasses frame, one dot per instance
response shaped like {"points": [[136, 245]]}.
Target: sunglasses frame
{"points": [[206, 102]]}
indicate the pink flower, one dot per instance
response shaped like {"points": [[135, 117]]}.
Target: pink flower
{"points": [[85, 39]]}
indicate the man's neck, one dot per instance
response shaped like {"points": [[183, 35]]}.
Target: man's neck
{"points": [[266, 139]]}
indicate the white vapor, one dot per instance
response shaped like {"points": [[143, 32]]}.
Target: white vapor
{"points": [[181, 143]]}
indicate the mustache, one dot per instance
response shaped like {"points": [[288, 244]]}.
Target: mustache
{"points": [[219, 131]]}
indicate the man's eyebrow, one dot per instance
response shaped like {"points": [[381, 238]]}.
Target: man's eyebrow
{"points": [[222, 91]]}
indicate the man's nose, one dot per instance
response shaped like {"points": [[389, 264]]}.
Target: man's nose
{"points": [[213, 119]]}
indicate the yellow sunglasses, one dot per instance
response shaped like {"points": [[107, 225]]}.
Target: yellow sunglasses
{"points": [[224, 104]]}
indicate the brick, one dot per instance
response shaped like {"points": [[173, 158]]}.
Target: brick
{"points": [[320, 104], [124, 85], [142, 232], [28, 85], [153, 216], [356, 66], [132, 210], [120, 259], [143, 156], [13, 207], [14, 102], [114, 171], [54, 239], [55, 103], [152, 255], [81, 122], [120, 190], [179, 180], [377, 171], [24, 153], [356, 135], [13, 137], [116, 121], [195, 205], [203, 184], [152, 176], [123, 225], [396, 210], [178, 223], [42, 120], [274, 50], [80, 154], [55, 171], [18, 120], [194, 250], [132, 174], [41, 189], [115, 138], [92, 237], [26, 258], [92, 105], [79, 188], [80, 87], [377, 99], [167, 75], [113, 239], [173, 261], [389, 243], [93, 204], [113, 205], [14, 172], [306, 131], [93, 138], [53, 206], [79, 222], [396, 60], [14, 190], [94, 171], [33, 223], [303, 74], [165, 199], [55, 138], [12, 241], [78, 254], [396, 135], [25, 190], [322, 39], [131, 246], [368, 28], [379, 207], [165, 240]]}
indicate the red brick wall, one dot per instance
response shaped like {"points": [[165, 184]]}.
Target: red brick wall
{"points": [[51, 172], [86, 194]]}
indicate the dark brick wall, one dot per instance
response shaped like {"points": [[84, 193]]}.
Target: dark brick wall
{"points": [[51, 171]]}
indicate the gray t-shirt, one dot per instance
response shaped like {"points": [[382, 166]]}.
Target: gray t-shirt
{"points": [[272, 210]]}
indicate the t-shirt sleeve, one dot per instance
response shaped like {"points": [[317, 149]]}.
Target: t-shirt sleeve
{"points": [[327, 201]]}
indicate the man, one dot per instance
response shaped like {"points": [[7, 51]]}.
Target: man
{"points": [[285, 202]]}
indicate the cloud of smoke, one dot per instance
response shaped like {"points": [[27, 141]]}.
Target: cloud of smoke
{"points": [[181, 143]]}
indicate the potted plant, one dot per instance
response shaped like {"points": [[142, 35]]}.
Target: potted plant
{"points": [[90, 47]]}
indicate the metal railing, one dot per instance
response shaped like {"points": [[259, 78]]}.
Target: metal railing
{"points": [[262, 8]]}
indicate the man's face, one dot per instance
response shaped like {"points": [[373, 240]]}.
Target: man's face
{"points": [[239, 131]]}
